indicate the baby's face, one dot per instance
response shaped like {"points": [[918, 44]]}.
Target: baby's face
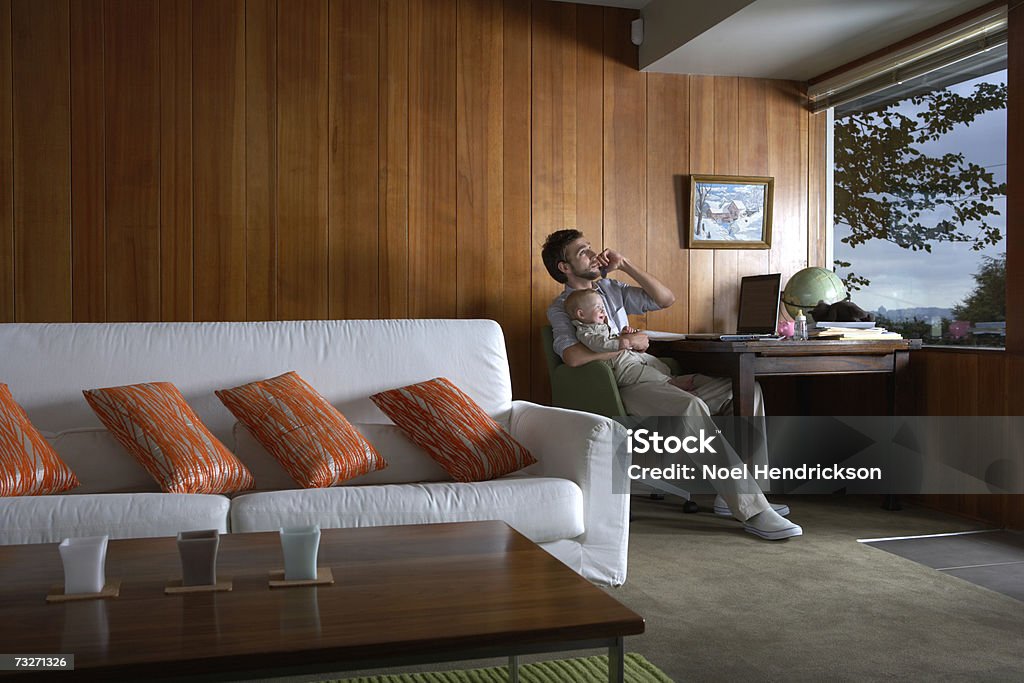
{"points": [[593, 312]]}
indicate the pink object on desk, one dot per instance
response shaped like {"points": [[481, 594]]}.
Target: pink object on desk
{"points": [[786, 328]]}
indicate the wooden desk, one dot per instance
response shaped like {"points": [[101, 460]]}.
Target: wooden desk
{"points": [[745, 361]]}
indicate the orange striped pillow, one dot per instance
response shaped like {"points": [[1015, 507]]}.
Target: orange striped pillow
{"points": [[155, 424], [454, 430], [28, 464], [314, 443]]}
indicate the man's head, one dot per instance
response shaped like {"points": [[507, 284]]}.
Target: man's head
{"points": [[567, 252], [587, 306]]}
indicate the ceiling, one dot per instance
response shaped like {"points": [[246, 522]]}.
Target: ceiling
{"points": [[789, 39]]}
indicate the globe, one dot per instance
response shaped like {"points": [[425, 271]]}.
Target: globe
{"points": [[809, 286]]}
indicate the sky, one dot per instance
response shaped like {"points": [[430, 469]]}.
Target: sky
{"points": [[901, 278]]}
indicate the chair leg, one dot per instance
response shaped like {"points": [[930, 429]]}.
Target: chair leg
{"points": [[659, 488]]}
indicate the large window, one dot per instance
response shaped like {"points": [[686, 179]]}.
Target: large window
{"points": [[919, 200]]}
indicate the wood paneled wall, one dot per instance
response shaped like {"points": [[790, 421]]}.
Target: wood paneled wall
{"points": [[263, 159], [972, 383]]}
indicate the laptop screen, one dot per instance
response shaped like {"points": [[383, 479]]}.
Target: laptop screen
{"points": [[759, 304]]}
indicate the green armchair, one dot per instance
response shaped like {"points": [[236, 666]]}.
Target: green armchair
{"points": [[590, 388]]}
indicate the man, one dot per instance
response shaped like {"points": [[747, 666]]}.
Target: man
{"points": [[570, 260]]}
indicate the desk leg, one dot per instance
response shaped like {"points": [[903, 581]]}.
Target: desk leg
{"points": [[901, 390], [743, 385], [901, 399]]}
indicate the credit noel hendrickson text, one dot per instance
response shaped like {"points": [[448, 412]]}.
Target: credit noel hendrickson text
{"points": [[644, 441]]}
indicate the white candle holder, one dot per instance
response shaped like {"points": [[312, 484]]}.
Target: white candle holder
{"points": [[300, 546], [84, 564]]}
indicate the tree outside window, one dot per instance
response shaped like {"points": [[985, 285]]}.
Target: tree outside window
{"points": [[919, 211]]}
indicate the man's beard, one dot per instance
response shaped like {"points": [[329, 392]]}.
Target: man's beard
{"points": [[592, 274]]}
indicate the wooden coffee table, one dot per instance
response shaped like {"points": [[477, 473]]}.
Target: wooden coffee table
{"points": [[403, 595]]}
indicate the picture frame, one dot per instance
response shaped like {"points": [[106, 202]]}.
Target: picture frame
{"points": [[730, 212]]}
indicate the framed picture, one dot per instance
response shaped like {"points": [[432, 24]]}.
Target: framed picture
{"points": [[730, 212]]}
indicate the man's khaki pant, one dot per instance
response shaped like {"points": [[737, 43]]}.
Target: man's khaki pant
{"points": [[710, 396]]}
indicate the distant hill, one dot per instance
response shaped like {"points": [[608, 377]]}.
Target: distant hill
{"points": [[924, 313]]}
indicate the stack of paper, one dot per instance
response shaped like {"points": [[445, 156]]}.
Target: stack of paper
{"points": [[655, 335], [863, 331]]}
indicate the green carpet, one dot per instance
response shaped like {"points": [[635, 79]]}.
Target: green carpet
{"points": [[579, 670]]}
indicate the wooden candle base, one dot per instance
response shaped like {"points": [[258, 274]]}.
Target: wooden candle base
{"points": [[324, 577], [174, 587], [111, 590]]}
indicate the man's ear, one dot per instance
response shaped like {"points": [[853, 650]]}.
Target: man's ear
{"points": [[564, 267]]}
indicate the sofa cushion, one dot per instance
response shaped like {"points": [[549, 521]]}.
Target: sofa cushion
{"points": [[28, 464], [407, 462], [542, 509], [454, 430], [49, 519], [155, 424], [311, 440]]}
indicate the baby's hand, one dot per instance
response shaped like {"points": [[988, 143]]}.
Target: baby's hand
{"points": [[629, 330]]}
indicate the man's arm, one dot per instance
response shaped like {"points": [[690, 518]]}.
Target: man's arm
{"points": [[582, 353], [654, 287], [578, 355]]}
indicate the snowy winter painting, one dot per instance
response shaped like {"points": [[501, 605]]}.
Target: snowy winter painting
{"points": [[730, 212]]}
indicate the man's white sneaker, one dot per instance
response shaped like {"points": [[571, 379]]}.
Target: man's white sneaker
{"points": [[722, 508], [771, 526]]}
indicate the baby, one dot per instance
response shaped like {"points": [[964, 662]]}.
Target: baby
{"points": [[586, 309]]}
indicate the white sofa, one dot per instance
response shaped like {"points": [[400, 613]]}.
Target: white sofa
{"points": [[565, 502]]}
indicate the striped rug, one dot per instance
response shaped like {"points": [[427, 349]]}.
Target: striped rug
{"points": [[579, 670]]}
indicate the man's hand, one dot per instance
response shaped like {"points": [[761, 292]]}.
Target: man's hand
{"points": [[632, 339], [578, 354], [638, 341], [609, 260]]}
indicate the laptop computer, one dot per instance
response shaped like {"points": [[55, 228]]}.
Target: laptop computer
{"points": [[759, 310]]}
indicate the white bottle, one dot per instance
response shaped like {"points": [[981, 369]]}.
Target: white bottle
{"points": [[800, 327]]}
